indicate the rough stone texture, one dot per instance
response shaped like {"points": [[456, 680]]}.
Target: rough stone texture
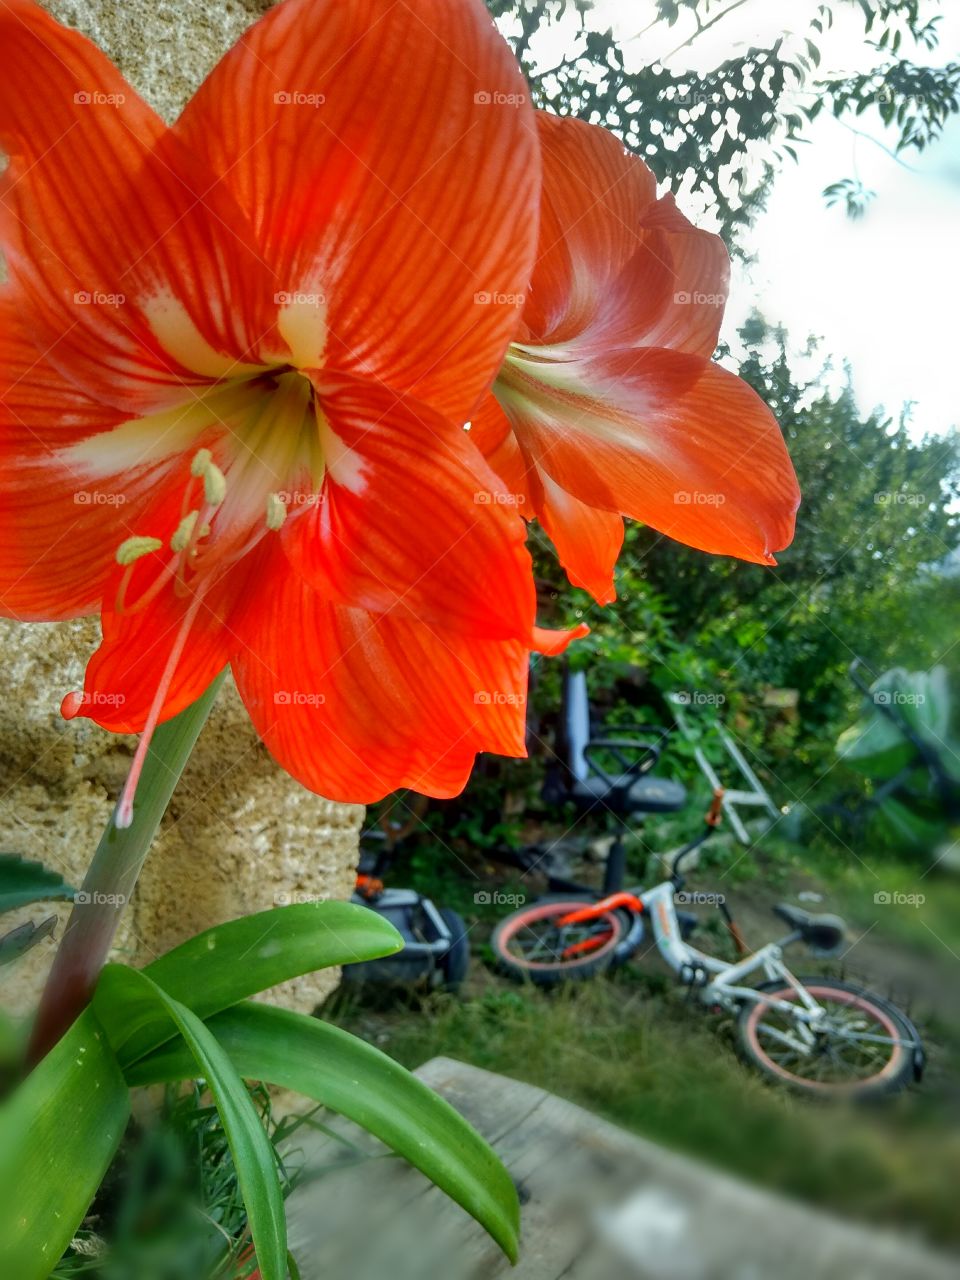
{"points": [[165, 48], [239, 831]]}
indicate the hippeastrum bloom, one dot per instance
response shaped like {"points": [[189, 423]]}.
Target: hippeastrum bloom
{"points": [[608, 404], [236, 356]]}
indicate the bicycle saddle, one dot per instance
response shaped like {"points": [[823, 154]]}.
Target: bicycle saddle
{"points": [[631, 794], [823, 934]]}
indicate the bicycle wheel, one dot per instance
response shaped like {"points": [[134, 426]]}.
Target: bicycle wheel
{"points": [[533, 944], [864, 1046]]}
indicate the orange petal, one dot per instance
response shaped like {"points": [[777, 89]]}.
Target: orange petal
{"points": [[587, 539], [59, 526], [134, 271], [699, 268], [492, 433], [386, 154], [595, 194], [663, 437], [616, 267], [411, 519], [125, 673], [355, 704]]}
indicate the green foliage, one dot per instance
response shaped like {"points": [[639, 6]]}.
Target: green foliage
{"points": [[185, 1010], [360, 1082], [724, 131], [241, 957], [23, 882], [171, 1204], [923, 777], [58, 1134], [875, 745], [124, 993]]}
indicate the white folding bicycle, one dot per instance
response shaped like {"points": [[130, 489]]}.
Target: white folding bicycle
{"points": [[817, 1035]]}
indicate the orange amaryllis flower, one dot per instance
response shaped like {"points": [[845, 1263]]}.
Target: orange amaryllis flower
{"points": [[608, 404], [236, 356]]}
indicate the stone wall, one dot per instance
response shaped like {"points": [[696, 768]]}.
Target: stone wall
{"points": [[239, 831]]}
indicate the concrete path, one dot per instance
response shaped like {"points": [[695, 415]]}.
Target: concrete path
{"points": [[598, 1204]]}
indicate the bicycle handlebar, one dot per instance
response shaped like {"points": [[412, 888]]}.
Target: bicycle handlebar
{"points": [[715, 812], [712, 820]]}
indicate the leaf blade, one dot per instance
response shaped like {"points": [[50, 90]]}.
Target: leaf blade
{"points": [[359, 1082], [252, 1152], [39, 1213], [23, 882], [241, 957]]}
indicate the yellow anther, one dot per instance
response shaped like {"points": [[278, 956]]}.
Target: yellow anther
{"points": [[276, 511], [201, 460], [214, 485], [135, 547], [184, 532]]}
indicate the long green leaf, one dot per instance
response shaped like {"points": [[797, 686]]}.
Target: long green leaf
{"points": [[23, 882], [358, 1081], [58, 1133], [253, 1156], [228, 963]]}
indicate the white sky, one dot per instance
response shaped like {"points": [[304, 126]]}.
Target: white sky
{"points": [[883, 291]]}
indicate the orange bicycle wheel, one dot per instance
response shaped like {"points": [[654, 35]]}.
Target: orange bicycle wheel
{"points": [[533, 944]]}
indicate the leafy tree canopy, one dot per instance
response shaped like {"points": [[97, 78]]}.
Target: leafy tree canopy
{"points": [[702, 129]]}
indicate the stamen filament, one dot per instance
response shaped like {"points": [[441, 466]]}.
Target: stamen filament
{"points": [[124, 814]]}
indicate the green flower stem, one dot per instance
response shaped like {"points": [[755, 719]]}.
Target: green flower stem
{"points": [[112, 876]]}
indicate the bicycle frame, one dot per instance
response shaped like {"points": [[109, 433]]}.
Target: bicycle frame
{"points": [[718, 982]]}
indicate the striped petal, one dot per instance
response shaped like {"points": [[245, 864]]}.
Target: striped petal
{"points": [[132, 267], [386, 155], [663, 437], [356, 705]]}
